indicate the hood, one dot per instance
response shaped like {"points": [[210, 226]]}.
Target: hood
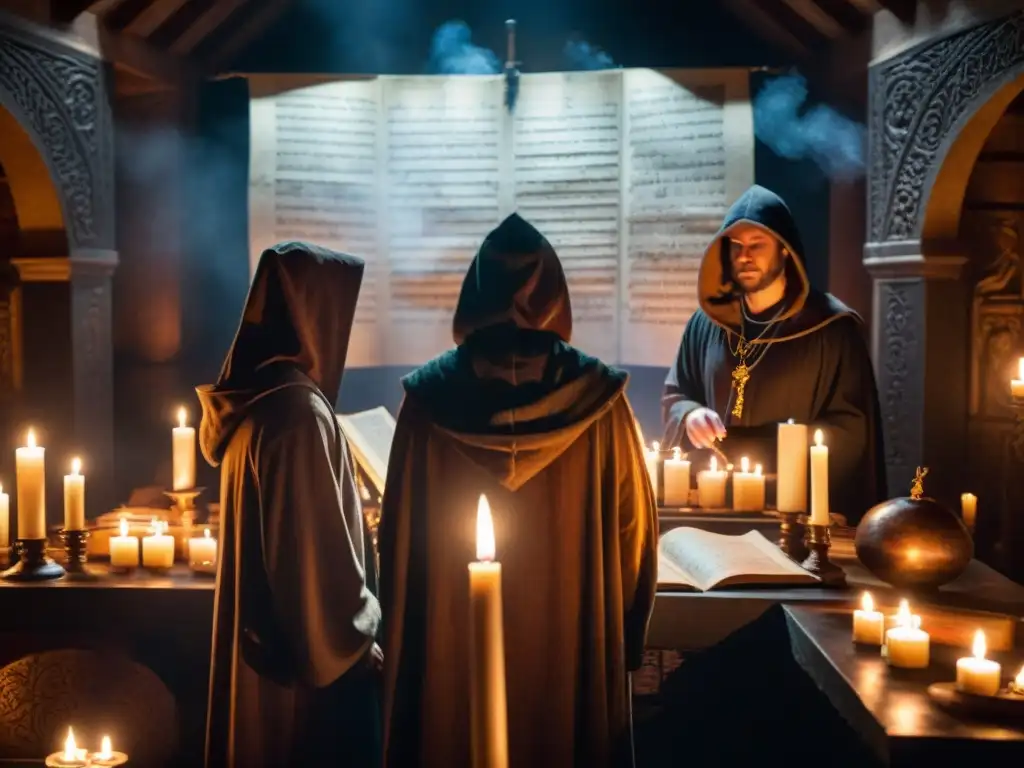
{"points": [[807, 308], [295, 331], [515, 280]]}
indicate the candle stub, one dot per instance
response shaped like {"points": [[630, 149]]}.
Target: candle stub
{"points": [[676, 473], [976, 674], [868, 624], [711, 486], [907, 645]]}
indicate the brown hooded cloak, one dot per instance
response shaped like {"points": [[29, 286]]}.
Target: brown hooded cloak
{"points": [[817, 369], [294, 611], [547, 434]]}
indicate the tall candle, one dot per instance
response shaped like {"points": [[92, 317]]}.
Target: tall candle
{"points": [[819, 480], [488, 706], [977, 674], [907, 645], [748, 488], [5, 519], [124, 549], [868, 624], [651, 460], [183, 455], [677, 480], [791, 466], [30, 464], [158, 548], [202, 553], [74, 498], [1017, 385], [711, 486], [969, 509]]}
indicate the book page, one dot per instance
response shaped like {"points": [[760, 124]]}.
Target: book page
{"points": [[711, 559], [688, 153], [370, 435]]}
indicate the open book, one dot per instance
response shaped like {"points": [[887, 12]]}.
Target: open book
{"points": [[370, 434], [695, 559]]}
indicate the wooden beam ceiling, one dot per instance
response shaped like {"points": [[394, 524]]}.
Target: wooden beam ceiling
{"points": [[805, 27]]}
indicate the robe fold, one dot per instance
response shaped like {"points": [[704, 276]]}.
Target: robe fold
{"points": [[816, 368], [547, 434], [294, 611]]}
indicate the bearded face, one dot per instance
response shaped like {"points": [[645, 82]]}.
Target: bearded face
{"points": [[755, 257]]}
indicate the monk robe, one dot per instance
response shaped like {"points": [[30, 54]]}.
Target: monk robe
{"points": [[294, 613], [816, 369], [547, 434]]}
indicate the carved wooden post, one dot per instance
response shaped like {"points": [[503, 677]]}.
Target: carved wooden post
{"points": [[10, 334]]}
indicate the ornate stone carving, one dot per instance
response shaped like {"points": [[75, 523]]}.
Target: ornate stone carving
{"points": [[1003, 275], [916, 100], [59, 97]]}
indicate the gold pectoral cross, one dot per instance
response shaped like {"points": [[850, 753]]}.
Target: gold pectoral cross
{"points": [[740, 377]]}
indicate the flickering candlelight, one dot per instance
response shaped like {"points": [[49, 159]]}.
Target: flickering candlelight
{"points": [[1017, 684], [906, 644], [976, 674], [488, 705], [969, 509], [124, 550], [74, 498], [202, 553], [107, 757], [748, 488], [1017, 385], [819, 480], [868, 624], [70, 757], [158, 548], [5, 519], [676, 472], [30, 470], [711, 486], [183, 455]]}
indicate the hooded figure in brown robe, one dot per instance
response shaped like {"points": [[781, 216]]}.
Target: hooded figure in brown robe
{"points": [[547, 434], [295, 615]]}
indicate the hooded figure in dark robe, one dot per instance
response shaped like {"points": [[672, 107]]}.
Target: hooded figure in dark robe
{"points": [[547, 434], [295, 615], [802, 351]]}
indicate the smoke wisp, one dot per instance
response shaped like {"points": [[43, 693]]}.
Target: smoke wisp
{"points": [[818, 133], [581, 55], [452, 52]]}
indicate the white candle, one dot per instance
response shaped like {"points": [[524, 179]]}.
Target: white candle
{"points": [[30, 464], [976, 674], [819, 480], [969, 509], [71, 756], [651, 459], [711, 486], [488, 705], [1017, 385], [202, 553], [124, 549], [791, 468], [107, 757], [158, 548], [748, 488], [907, 645], [677, 480], [183, 455], [868, 624], [74, 498], [5, 519]]}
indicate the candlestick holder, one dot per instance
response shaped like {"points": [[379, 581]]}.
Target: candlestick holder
{"points": [[76, 566], [184, 505], [793, 535], [33, 563], [819, 541]]}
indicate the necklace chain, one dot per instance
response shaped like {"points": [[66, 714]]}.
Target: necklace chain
{"points": [[743, 351]]}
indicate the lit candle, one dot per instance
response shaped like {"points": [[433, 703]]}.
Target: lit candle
{"points": [[969, 509], [976, 674], [5, 519], [677, 480], [183, 455], [70, 757], [907, 645], [791, 468], [124, 549], [1017, 385], [1017, 685], [488, 707], [651, 459], [74, 498], [107, 757], [819, 480], [711, 486], [868, 624], [748, 488], [202, 553], [158, 548], [30, 464]]}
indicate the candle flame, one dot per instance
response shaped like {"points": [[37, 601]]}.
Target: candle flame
{"points": [[106, 749], [1020, 368], [677, 453], [791, 421], [76, 466], [714, 464], [484, 532], [182, 417], [124, 527], [757, 469], [819, 437], [915, 622], [1019, 679], [155, 525], [979, 646], [744, 465], [70, 748], [655, 446], [30, 439], [1, 487], [867, 603], [903, 614]]}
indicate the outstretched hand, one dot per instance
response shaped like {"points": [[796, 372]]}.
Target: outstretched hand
{"points": [[704, 427]]}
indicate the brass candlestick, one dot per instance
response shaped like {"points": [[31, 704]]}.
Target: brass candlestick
{"points": [[819, 541], [793, 535], [185, 506], [77, 558], [33, 563]]}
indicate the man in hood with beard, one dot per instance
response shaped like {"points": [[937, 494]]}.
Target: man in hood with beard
{"points": [[547, 435], [765, 347], [295, 616]]}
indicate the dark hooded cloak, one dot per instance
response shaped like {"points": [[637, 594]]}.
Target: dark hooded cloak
{"points": [[547, 434], [817, 369], [294, 611]]}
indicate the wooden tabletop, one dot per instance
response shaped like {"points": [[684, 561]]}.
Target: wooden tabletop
{"points": [[178, 577]]}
